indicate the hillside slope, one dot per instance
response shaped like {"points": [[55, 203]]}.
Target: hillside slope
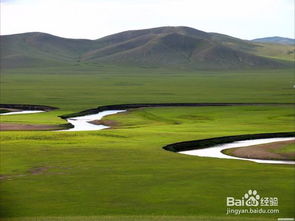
{"points": [[275, 40], [35, 49], [164, 46]]}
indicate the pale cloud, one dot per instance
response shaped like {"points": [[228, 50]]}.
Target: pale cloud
{"points": [[96, 18]]}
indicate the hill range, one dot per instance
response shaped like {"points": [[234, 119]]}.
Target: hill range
{"points": [[276, 40], [164, 46]]}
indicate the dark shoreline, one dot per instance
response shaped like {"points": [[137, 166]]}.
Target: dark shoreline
{"points": [[133, 106], [194, 144], [28, 107], [34, 107], [180, 146], [204, 143]]}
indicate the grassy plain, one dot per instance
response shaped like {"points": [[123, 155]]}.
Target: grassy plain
{"points": [[124, 173], [75, 88], [134, 218], [286, 149]]}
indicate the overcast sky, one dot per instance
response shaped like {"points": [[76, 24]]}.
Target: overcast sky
{"points": [[91, 19]]}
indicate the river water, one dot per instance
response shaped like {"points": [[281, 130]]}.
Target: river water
{"points": [[22, 112], [82, 123], [215, 151]]}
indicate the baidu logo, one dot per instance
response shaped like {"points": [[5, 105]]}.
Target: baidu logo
{"points": [[252, 199]]}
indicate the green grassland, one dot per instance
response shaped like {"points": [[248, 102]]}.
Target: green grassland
{"points": [[123, 173], [75, 88], [134, 218], [286, 149], [126, 172]]}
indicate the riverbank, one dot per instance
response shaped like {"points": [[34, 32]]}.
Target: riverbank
{"points": [[204, 143], [148, 105], [126, 171], [29, 127], [268, 151], [90, 119], [19, 107], [25, 109]]}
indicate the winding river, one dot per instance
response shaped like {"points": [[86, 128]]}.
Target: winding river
{"points": [[83, 123], [23, 112], [215, 151]]}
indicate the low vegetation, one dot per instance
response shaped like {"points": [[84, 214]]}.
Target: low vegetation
{"points": [[124, 172]]}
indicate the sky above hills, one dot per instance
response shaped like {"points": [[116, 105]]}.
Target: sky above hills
{"points": [[92, 19]]}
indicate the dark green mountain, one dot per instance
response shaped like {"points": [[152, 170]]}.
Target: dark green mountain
{"points": [[164, 46]]}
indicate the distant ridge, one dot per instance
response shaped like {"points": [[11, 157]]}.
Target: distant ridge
{"points": [[164, 46], [275, 40]]}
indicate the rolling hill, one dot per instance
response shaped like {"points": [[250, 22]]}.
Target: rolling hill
{"points": [[275, 40], [164, 46]]}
